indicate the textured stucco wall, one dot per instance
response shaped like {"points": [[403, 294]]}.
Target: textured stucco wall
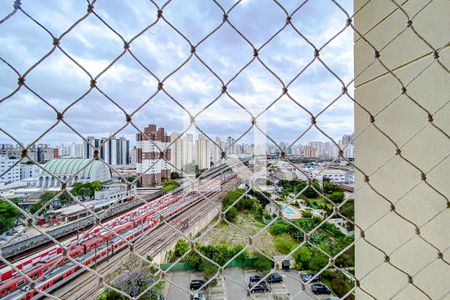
{"points": [[393, 177]]}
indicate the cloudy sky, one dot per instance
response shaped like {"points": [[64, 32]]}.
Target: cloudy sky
{"points": [[60, 82]]}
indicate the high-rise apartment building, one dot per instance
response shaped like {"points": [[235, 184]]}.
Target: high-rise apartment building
{"points": [[151, 164], [76, 150], [230, 145], [309, 151], [347, 144], [202, 150], [216, 152], [133, 155], [188, 149], [13, 174], [176, 152], [347, 138], [89, 148], [112, 150]]}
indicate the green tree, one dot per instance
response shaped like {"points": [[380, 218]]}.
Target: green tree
{"points": [[86, 190], [43, 200], [80, 189], [8, 214], [194, 260], [231, 197], [94, 186], [336, 197], [65, 198], [130, 179], [279, 227], [302, 257], [181, 248], [317, 262], [262, 197], [330, 187], [231, 214]]}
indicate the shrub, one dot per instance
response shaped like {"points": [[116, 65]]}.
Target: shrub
{"points": [[341, 286], [284, 243], [231, 214], [262, 263], [279, 227], [302, 257], [307, 213], [181, 248], [336, 197], [317, 262]]}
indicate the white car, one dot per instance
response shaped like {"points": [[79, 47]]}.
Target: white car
{"points": [[199, 296]]}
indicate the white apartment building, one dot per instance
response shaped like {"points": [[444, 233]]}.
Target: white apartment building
{"points": [[202, 150], [76, 150], [216, 152], [188, 149], [176, 152], [13, 174]]}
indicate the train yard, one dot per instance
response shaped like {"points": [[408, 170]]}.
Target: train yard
{"points": [[146, 229]]}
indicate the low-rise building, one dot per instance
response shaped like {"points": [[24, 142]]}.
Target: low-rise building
{"points": [[338, 175], [283, 262], [29, 170], [72, 170]]}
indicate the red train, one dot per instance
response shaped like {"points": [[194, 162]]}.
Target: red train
{"points": [[105, 242]]}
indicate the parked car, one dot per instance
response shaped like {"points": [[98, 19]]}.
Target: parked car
{"points": [[274, 278], [255, 278], [333, 298], [309, 276], [261, 287], [320, 289], [199, 296], [196, 284]]}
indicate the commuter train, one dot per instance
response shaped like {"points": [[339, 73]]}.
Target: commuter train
{"points": [[107, 242]]}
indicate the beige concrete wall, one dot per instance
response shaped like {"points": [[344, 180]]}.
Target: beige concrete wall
{"points": [[428, 83]]}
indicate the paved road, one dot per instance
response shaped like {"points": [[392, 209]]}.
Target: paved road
{"points": [[235, 283], [180, 287]]}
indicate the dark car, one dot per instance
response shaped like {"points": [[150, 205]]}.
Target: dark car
{"points": [[274, 278], [261, 287], [255, 278], [320, 289], [310, 276], [196, 284]]}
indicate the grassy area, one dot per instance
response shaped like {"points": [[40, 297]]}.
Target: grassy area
{"points": [[231, 235], [317, 202]]}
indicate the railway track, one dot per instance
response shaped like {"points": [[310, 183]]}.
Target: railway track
{"points": [[87, 284]]}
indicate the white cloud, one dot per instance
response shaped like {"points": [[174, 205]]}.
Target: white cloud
{"points": [[161, 50]]}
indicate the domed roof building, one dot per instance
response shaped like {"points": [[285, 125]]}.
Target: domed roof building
{"points": [[82, 170]]}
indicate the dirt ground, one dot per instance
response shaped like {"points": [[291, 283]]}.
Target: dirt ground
{"points": [[238, 233]]}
